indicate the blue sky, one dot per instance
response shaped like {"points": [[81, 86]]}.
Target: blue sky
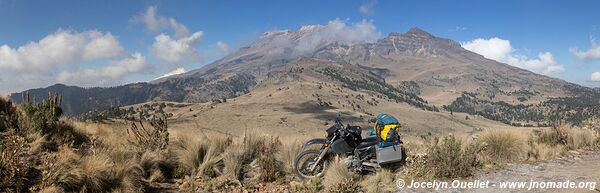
{"points": [[529, 34]]}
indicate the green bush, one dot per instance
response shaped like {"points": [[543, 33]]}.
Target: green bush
{"points": [[8, 115], [42, 117]]}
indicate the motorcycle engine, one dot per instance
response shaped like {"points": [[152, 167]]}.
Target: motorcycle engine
{"points": [[353, 162]]}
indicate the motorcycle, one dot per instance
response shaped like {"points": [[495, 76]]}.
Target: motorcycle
{"points": [[363, 154]]}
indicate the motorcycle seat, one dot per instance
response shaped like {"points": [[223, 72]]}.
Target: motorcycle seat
{"points": [[367, 142]]}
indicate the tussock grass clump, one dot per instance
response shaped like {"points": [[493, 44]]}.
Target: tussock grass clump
{"points": [[268, 168], [233, 162], [202, 156], [254, 159], [52, 189], [307, 186], [572, 138], [289, 150], [543, 151], [382, 181], [48, 153], [157, 166], [339, 178], [502, 146], [448, 159]]}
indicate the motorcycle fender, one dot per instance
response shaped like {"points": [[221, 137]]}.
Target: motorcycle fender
{"points": [[315, 141]]}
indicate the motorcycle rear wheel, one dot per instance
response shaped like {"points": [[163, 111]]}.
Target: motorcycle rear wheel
{"points": [[305, 160]]}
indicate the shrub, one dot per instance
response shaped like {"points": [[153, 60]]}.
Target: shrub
{"points": [[42, 117], [156, 137], [8, 115], [502, 146], [14, 168]]}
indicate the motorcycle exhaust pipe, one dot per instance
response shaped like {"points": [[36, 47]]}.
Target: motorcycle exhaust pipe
{"points": [[370, 164]]}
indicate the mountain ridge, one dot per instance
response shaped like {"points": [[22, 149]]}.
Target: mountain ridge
{"points": [[438, 70]]}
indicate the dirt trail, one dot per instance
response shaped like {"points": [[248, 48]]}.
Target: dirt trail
{"points": [[581, 167]]}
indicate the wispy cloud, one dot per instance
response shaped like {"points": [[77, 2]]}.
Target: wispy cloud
{"points": [[460, 28], [157, 23], [223, 47], [367, 8], [176, 71], [595, 77], [502, 51], [310, 37], [591, 54]]}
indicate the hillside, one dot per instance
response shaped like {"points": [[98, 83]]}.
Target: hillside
{"points": [[414, 70]]}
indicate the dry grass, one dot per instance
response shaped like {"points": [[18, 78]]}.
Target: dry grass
{"points": [[202, 156], [266, 167], [448, 158], [572, 138], [290, 148], [307, 186], [157, 165], [84, 157], [542, 151], [64, 155], [382, 181], [339, 178], [14, 169], [501, 146]]}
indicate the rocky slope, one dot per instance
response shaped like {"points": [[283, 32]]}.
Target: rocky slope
{"points": [[414, 68]]}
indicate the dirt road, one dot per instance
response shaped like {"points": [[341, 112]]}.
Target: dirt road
{"points": [[580, 168]]}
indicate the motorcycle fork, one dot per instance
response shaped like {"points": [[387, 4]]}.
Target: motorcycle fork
{"points": [[321, 156]]}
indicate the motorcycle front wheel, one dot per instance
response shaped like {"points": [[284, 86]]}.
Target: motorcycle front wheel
{"points": [[305, 160]]}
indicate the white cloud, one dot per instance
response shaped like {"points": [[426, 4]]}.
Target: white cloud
{"points": [[223, 47], [88, 58], [502, 51], [177, 50], [367, 7], [460, 28], [310, 37], [595, 77], [106, 75], [592, 54], [58, 49], [173, 72], [156, 23]]}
